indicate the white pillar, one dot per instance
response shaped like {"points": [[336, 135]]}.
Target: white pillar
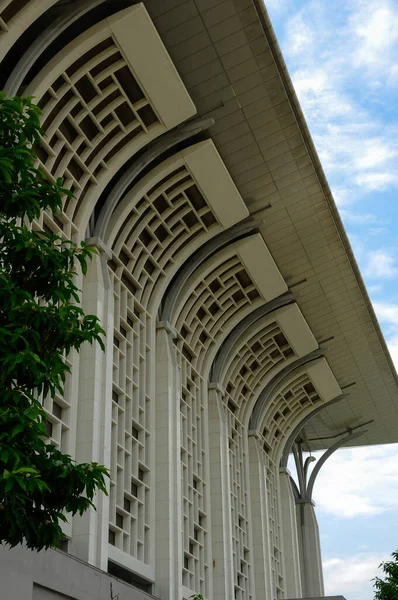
{"points": [[310, 551], [168, 527], [259, 510], [90, 532], [223, 578], [290, 536]]}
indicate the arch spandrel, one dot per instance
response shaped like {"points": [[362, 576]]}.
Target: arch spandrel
{"points": [[100, 105], [296, 396], [16, 16], [221, 293], [167, 216], [277, 339]]}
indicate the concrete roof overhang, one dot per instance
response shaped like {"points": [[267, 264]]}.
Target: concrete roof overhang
{"points": [[228, 58]]}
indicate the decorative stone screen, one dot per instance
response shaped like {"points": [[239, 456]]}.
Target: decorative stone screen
{"points": [[250, 364], [171, 215], [159, 225], [222, 293], [91, 111], [132, 415]]}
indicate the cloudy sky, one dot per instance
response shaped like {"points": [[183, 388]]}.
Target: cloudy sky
{"points": [[343, 59]]}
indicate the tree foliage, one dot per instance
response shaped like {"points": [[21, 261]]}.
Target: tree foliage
{"points": [[40, 323], [387, 588]]}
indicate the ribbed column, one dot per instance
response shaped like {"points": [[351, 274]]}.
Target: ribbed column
{"points": [[259, 510], [290, 537], [168, 526], [90, 532], [310, 550], [223, 579]]}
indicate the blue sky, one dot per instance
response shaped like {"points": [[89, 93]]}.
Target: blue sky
{"points": [[343, 59]]}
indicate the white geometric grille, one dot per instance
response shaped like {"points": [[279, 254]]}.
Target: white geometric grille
{"points": [[131, 462], [90, 112], [252, 361], [238, 474], [163, 222], [296, 397], [211, 304], [160, 225], [195, 573], [58, 409], [220, 295], [262, 352]]}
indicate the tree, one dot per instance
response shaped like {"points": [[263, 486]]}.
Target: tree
{"points": [[387, 588], [40, 323]]}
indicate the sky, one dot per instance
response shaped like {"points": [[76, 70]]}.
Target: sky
{"points": [[342, 56]]}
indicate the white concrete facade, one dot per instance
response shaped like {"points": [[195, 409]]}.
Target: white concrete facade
{"points": [[213, 365]]}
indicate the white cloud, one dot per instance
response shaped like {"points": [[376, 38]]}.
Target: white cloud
{"points": [[375, 26], [380, 265], [374, 289], [301, 36], [387, 314], [356, 218], [352, 576], [374, 181], [277, 7], [337, 56]]}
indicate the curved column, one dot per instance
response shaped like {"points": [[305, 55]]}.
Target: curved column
{"points": [[262, 551], [221, 510], [307, 525], [168, 508], [23, 15], [70, 16], [276, 286], [293, 585], [90, 531]]}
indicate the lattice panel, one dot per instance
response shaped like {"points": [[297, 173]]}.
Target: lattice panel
{"points": [[222, 293], [274, 527], [166, 219], [58, 409], [129, 516], [194, 477], [296, 397], [239, 484], [90, 112], [261, 353]]}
